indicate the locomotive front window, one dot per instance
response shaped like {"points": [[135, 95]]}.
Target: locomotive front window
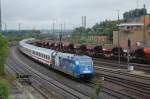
{"points": [[85, 63]]}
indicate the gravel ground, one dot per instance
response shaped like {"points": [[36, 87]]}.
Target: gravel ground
{"points": [[23, 91]]}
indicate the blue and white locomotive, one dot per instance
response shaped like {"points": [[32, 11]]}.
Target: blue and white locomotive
{"points": [[78, 66]]}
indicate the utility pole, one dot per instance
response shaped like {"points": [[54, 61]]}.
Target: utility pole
{"points": [[60, 38], [85, 22], [61, 32], [118, 37], [19, 26], [129, 49], [64, 27], [144, 35], [137, 4], [53, 24], [0, 17], [5, 27], [82, 21], [53, 27]]}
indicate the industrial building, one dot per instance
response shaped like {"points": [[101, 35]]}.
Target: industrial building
{"points": [[132, 32]]}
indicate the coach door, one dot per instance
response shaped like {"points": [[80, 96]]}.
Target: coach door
{"points": [[53, 59]]}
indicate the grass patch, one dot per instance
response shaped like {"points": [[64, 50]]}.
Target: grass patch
{"points": [[4, 89]]}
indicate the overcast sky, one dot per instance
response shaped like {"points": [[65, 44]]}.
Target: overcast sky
{"points": [[39, 14]]}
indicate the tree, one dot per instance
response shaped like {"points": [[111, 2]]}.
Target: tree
{"points": [[105, 28], [4, 50], [4, 89], [132, 14]]}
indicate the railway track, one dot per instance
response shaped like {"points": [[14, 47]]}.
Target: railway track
{"points": [[12, 70], [139, 87], [44, 80], [122, 72], [114, 93], [114, 64], [105, 89]]}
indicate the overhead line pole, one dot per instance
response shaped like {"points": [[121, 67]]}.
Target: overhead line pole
{"points": [[118, 37], [53, 23], [5, 27], [0, 17], [82, 21], [64, 27], [144, 35], [19, 26], [85, 22], [60, 37], [53, 27]]}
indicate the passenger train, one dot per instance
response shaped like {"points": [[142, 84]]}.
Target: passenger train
{"points": [[78, 66]]}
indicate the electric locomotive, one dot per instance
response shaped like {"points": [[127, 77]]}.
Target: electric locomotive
{"points": [[78, 66]]}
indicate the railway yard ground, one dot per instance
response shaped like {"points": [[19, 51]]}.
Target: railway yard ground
{"points": [[117, 83]]}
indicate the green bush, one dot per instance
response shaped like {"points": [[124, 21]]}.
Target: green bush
{"points": [[4, 52], [4, 89], [98, 88]]}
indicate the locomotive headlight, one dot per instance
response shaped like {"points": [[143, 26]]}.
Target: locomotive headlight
{"points": [[77, 62], [125, 51], [104, 49]]}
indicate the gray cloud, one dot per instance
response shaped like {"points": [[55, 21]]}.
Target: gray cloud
{"points": [[40, 13]]}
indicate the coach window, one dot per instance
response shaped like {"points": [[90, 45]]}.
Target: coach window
{"points": [[44, 56], [48, 57]]}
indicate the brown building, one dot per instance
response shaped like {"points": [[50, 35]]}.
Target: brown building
{"points": [[147, 20], [99, 38], [130, 31]]}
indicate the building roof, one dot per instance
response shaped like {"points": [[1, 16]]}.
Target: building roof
{"points": [[131, 24]]}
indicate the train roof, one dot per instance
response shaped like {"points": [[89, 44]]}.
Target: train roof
{"points": [[74, 56], [25, 44]]}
